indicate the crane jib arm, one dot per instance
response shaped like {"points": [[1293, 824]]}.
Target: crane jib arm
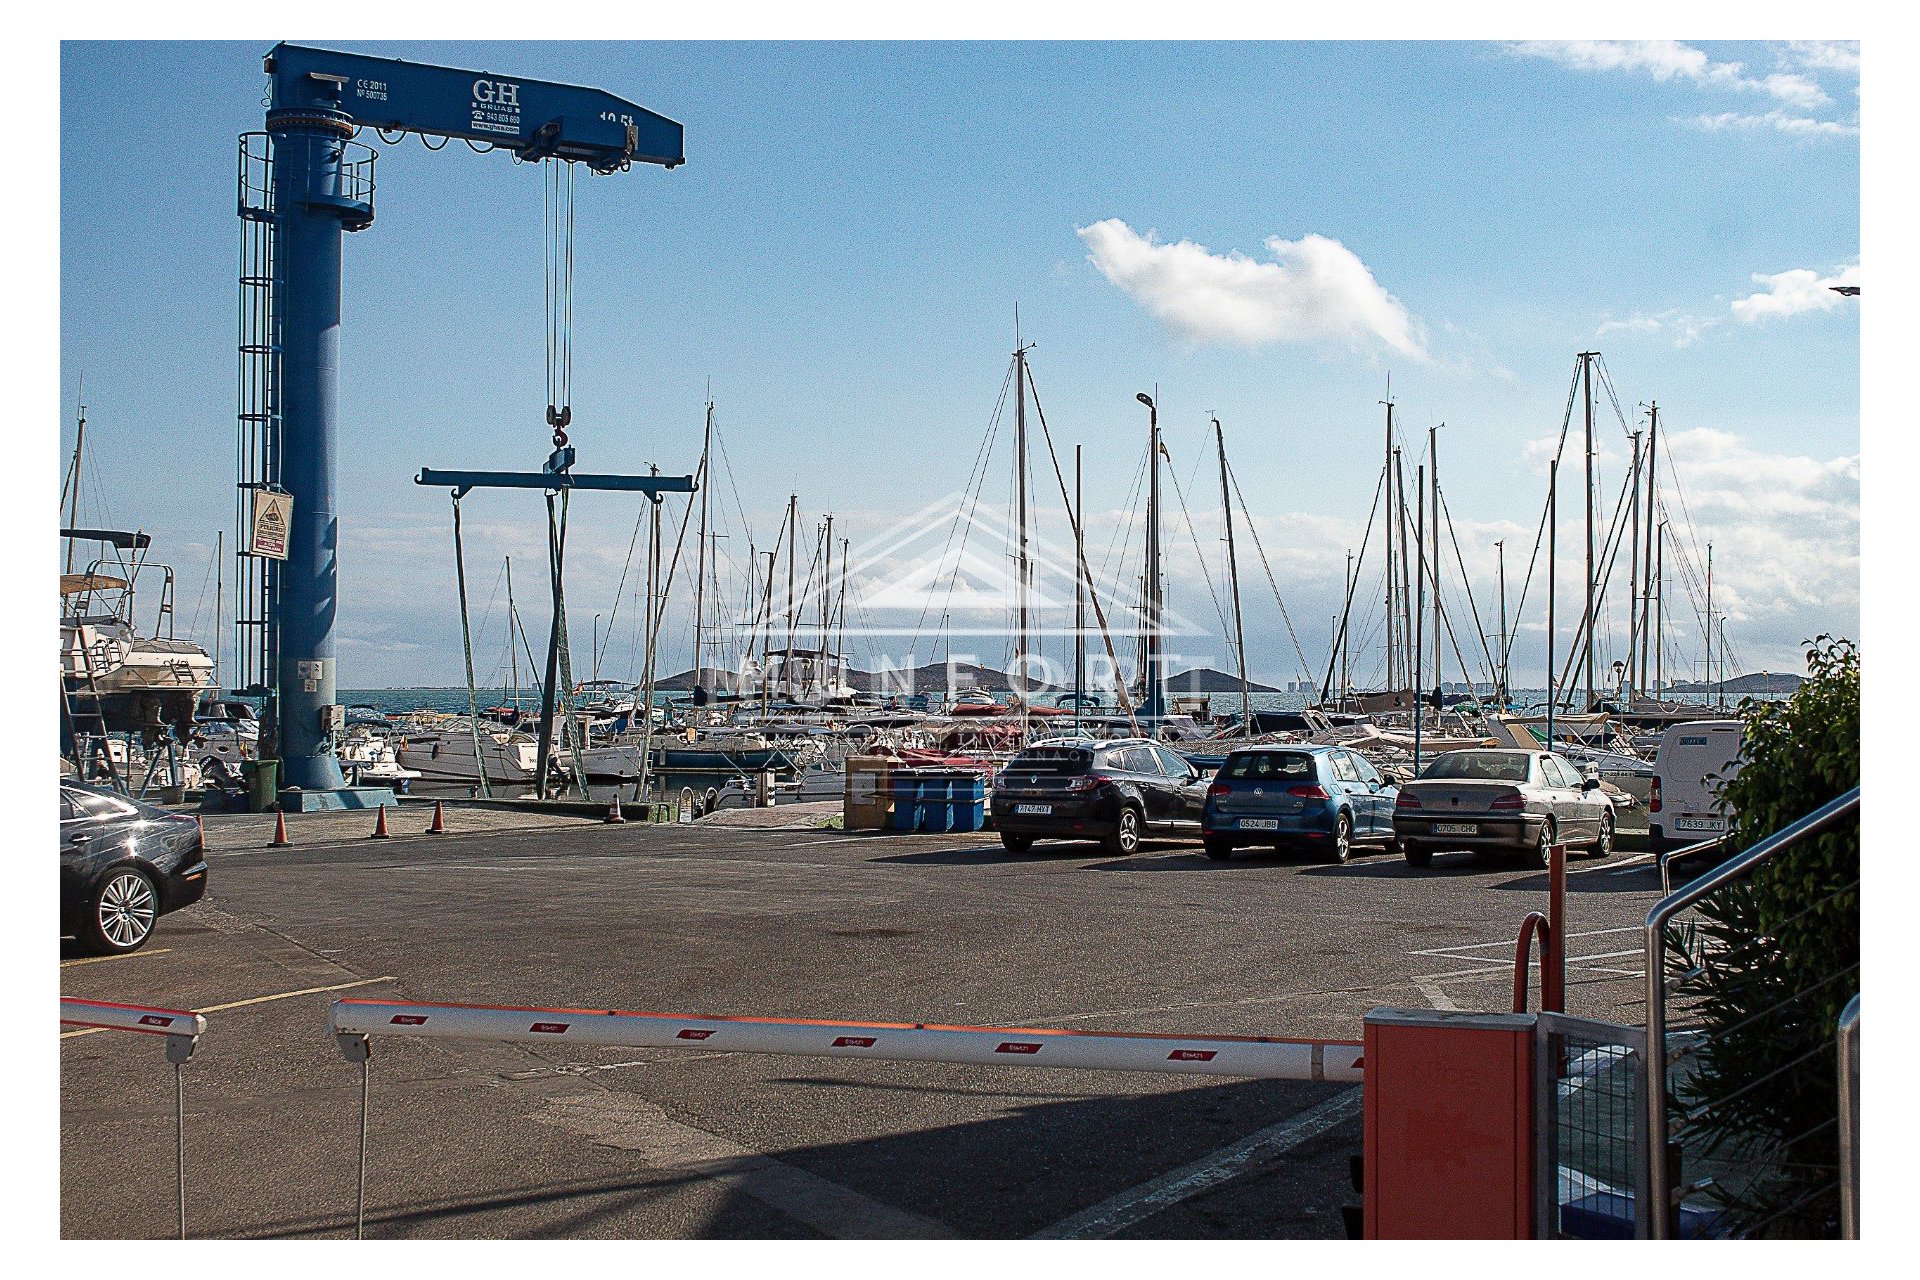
{"points": [[533, 119]]}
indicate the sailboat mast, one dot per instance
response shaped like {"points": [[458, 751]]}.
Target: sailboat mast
{"points": [[826, 600], [700, 570], [513, 651], [1433, 479], [1709, 659], [1653, 466], [1387, 469], [840, 619], [1500, 694], [1419, 606], [793, 538], [1150, 664], [1660, 608], [1233, 580], [1553, 547], [1633, 590], [73, 510], [1079, 594], [1587, 618], [766, 636], [1346, 675], [1023, 568]]}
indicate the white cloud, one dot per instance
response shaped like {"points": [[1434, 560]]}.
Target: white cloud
{"points": [[1779, 121], [1825, 55], [1315, 289], [1667, 60], [1684, 326], [1793, 292]]}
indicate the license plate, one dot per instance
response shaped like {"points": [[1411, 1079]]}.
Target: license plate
{"points": [[1259, 824], [1042, 809], [1696, 824], [1456, 828]]}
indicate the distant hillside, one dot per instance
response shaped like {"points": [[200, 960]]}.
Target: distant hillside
{"points": [[1757, 684], [1207, 680]]}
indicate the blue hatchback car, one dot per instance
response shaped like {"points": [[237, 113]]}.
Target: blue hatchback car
{"points": [[1325, 797]]}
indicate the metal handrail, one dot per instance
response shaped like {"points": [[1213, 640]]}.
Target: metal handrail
{"points": [[1848, 1035], [1688, 851], [1660, 1208]]}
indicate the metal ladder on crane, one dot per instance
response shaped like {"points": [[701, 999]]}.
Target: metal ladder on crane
{"points": [[257, 441], [85, 730]]}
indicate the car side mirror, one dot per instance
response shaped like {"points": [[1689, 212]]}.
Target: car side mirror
{"points": [[1589, 784]]}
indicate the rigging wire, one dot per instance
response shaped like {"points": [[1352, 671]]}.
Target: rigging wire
{"points": [[1306, 671]]}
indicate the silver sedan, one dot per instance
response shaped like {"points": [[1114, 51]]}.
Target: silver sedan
{"points": [[1518, 801]]}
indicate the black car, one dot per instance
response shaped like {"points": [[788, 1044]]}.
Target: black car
{"points": [[123, 864], [1115, 791]]}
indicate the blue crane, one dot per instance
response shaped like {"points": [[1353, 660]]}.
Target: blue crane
{"points": [[312, 182]]}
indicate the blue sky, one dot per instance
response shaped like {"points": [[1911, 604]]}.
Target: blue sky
{"points": [[843, 251]]}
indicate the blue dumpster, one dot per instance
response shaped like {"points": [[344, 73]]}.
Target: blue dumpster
{"points": [[904, 786], [934, 810], [967, 802]]}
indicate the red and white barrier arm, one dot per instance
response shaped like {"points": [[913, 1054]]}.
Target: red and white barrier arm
{"points": [[1259, 1057], [131, 1017]]}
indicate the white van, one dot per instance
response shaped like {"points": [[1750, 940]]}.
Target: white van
{"points": [[1694, 759]]}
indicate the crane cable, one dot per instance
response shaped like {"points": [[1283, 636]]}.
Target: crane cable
{"points": [[558, 188]]}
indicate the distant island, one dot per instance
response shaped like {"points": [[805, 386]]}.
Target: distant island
{"points": [[1756, 684]]}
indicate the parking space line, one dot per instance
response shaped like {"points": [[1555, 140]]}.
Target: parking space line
{"points": [[241, 1004], [1137, 1204], [131, 955]]}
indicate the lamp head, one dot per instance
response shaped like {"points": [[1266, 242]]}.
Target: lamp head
{"points": [[1143, 398]]}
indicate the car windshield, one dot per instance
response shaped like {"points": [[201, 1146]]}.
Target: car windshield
{"points": [[1051, 760], [1281, 766], [1497, 766]]}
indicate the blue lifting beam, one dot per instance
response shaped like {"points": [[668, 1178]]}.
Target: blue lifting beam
{"points": [[322, 185], [464, 482]]}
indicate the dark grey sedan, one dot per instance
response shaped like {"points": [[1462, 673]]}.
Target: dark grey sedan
{"points": [[1514, 801], [123, 864]]}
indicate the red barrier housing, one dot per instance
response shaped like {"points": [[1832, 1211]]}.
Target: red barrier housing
{"points": [[1449, 1125]]}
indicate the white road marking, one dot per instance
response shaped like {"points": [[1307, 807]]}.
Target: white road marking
{"points": [[1117, 1213], [131, 955], [1435, 996], [629, 1123], [241, 1004]]}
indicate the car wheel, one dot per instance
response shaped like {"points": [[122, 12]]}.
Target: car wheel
{"points": [[1219, 850], [121, 913], [1342, 838], [1603, 843], [1124, 840], [1015, 844], [1417, 855], [1537, 856]]}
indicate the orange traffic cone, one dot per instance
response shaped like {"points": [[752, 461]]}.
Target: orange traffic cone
{"points": [[380, 827], [613, 810], [439, 826], [280, 828]]}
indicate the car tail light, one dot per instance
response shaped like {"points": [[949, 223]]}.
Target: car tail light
{"points": [[1407, 800], [1653, 796], [1514, 801], [1308, 791], [1217, 790], [1087, 782]]}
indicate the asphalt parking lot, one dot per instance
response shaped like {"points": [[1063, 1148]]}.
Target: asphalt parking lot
{"points": [[497, 1140]]}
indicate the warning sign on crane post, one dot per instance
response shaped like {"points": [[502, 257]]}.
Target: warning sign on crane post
{"points": [[267, 532]]}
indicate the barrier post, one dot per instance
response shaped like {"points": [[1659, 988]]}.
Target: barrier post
{"points": [[1553, 961], [359, 1048], [182, 1029]]}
